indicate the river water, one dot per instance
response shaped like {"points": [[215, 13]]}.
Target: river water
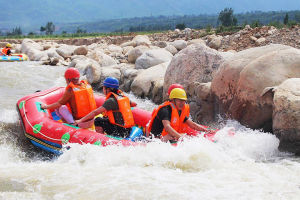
{"points": [[246, 166]]}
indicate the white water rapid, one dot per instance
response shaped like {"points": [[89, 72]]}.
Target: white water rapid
{"points": [[246, 166]]}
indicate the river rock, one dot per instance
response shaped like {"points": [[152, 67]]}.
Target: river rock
{"points": [[286, 115], [170, 48], [66, 51], [82, 50], [102, 58], [88, 67], [34, 50], [240, 81], [195, 64], [136, 52], [152, 57], [179, 44], [141, 40], [145, 81]]}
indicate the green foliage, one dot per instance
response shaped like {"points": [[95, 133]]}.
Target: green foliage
{"points": [[49, 28], [256, 23], [180, 26], [31, 33], [286, 19], [276, 24], [15, 32], [297, 16], [208, 28], [79, 30], [226, 17], [292, 23], [228, 29]]}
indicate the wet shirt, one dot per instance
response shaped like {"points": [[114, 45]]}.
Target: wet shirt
{"points": [[164, 113], [112, 104]]}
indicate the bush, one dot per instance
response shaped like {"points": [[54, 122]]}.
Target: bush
{"points": [[180, 26]]}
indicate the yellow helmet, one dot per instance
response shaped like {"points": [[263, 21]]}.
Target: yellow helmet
{"points": [[8, 45], [178, 93]]}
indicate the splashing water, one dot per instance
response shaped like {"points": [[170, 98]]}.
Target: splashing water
{"points": [[247, 165]]}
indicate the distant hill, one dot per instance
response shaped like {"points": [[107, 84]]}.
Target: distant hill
{"points": [[169, 22], [31, 14]]}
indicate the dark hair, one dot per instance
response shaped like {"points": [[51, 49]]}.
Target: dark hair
{"points": [[114, 90]]}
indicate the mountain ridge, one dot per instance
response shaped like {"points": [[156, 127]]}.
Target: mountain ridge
{"points": [[26, 13]]}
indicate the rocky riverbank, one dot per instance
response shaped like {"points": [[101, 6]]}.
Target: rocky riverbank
{"points": [[251, 76]]}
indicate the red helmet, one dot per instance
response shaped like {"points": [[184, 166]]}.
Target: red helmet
{"points": [[72, 73], [175, 85]]}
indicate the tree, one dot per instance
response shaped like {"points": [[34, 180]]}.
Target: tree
{"points": [[226, 17], [180, 26], [79, 30], [49, 28], [16, 31], [31, 33], [286, 19], [42, 29], [297, 17]]}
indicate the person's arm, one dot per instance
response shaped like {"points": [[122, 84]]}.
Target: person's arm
{"points": [[195, 126], [170, 130], [51, 106], [62, 101], [91, 115]]}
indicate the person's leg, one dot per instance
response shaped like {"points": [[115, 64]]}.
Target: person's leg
{"points": [[112, 129], [65, 114], [104, 124]]}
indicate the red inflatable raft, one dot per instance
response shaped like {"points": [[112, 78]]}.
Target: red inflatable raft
{"points": [[49, 134]]}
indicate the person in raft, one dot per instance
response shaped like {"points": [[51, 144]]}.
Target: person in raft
{"points": [[118, 118], [77, 98], [6, 51], [171, 118]]}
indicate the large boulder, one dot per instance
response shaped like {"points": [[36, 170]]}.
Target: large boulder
{"points": [[88, 67], [66, 51], [136, 52], [102, 58], [239, 83], [179, 44], [190, 67], [152, 57], [82, 50], [196, 63], [34, 50], [141, 40], [149, 82], [286, 115]]}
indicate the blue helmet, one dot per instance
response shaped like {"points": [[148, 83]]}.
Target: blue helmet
{"points": [[111, 82]]}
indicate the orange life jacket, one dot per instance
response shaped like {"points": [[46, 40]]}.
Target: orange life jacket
{"points": [[5, 50], [177, 122], [186, 112], [124, 109], [84, 98]]}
